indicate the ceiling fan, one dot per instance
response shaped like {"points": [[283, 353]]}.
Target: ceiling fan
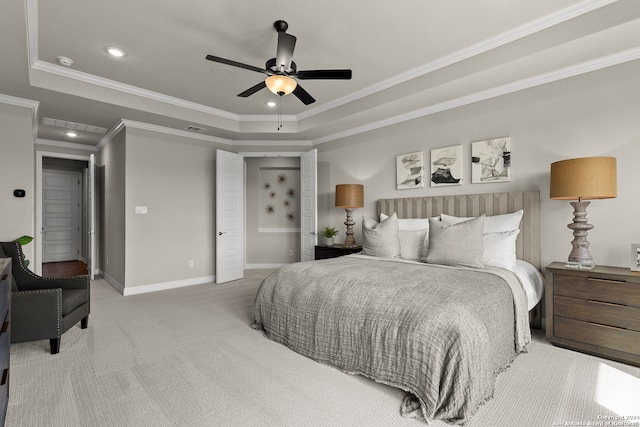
{"points": [[282, 71]]}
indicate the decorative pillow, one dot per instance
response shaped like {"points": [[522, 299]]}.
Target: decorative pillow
{"points": [[414, 236], [459, 244], [381, 238], [413, 243], [500, 249], [492, 224]]}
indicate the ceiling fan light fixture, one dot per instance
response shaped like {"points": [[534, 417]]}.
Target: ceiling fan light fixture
{"points": [[281, 85]]}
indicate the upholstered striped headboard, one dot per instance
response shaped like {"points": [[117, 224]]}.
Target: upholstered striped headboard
{"points": [[528, 243]]}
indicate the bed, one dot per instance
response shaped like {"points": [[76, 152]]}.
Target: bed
{"points": [[442, 331]]}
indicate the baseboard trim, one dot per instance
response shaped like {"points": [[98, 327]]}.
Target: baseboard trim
{"points": [[264, 266], [113, 282], [135, 290], [154, 287]]}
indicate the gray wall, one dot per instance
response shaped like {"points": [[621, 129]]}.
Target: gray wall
{"points": [[16, 172], [110, 179], [175, 179], [591, 115]]}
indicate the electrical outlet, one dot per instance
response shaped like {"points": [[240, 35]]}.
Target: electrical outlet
{"points": [[190, 263], [290, 252]]}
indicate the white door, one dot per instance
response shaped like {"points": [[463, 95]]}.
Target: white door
{"points": [[61, 216], [309, 208], [91, 216], [229, 216]]}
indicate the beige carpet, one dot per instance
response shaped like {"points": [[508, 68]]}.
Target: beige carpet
{"points": [[188, 357]]}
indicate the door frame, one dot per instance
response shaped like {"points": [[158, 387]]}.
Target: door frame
{"points": [[40, 155]]}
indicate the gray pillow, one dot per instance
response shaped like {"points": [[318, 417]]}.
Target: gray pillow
{"points": [[381, 238], [460, 244]]}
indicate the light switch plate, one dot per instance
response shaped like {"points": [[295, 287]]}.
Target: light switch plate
{"points": [[141, 210]]}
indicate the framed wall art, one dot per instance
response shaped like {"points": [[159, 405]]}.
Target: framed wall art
{"points": [[409, 171], [491, 160], [635, 256], [446, 166]]}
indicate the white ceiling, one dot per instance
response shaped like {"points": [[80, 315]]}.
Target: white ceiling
{"points": [[409, 59]]}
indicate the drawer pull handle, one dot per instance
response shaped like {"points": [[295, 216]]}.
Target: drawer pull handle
{"points": [[595, 279], [606, 303], [607, 326]]}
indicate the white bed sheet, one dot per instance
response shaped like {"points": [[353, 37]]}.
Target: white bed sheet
{"points": [[532, 282]]}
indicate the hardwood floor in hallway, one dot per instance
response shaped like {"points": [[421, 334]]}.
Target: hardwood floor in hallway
{"points": [[64, 269]]}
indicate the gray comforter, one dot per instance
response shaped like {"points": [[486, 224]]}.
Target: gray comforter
{"points": [[440, 333]]}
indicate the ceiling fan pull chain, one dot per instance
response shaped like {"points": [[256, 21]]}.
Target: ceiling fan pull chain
{"points": [[279, 112]]}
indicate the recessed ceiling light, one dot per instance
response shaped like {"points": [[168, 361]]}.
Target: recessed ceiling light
{"points": [[271, 104], [71, 134], [114, 51]]}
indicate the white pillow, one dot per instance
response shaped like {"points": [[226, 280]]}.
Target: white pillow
{"points": [[500, 249], [459, 244], [381, 238], [492, 224], [414, 236], [410, 223]]}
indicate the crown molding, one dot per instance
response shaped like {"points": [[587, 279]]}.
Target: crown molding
{"points": [[64, 144], [274, 143], [24, 103]]}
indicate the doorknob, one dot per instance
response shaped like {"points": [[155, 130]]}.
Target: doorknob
{"points": [[220, 233]]}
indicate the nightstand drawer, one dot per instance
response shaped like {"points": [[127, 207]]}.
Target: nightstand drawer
{"points": [[605, 313], [605, 290], [599, 335]]}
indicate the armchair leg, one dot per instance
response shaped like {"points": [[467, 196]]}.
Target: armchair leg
{"points": [[84, 322], [55, 345]]}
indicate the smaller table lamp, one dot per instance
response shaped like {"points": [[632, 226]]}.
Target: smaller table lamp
{"points": [[349, 197], [582, 179]]}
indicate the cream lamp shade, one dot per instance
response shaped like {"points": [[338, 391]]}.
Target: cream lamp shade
{"points": [[586, 178], [349, 197], [281, 85], [582, 179]]}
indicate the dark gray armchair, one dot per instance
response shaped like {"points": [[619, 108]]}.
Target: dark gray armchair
{"points": [[44, 308]]}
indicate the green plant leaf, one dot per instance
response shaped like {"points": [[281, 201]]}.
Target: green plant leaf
{"points": [[24, 240]]}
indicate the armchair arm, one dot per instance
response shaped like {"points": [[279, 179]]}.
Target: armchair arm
{"points": [[36, 314]]}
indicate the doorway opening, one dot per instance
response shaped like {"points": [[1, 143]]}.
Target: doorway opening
{"points": [[62, 232]]}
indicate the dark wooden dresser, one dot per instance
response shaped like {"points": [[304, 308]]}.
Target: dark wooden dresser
{"points": [[594, 311], [5, 330], [324, 252]]}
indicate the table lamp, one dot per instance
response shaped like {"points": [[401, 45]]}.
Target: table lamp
{"points": [[582, 179], [349, 197]]}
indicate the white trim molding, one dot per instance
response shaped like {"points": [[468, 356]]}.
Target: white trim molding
{"points": [[135, 290]]}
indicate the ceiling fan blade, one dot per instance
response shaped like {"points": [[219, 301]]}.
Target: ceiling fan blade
{"points": [[323, 74], [303, 95], [284, 54], [253, 89], [236, 64]]}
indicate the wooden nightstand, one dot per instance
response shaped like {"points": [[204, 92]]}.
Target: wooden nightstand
{"points": [[594, 311], [324, 252]]}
